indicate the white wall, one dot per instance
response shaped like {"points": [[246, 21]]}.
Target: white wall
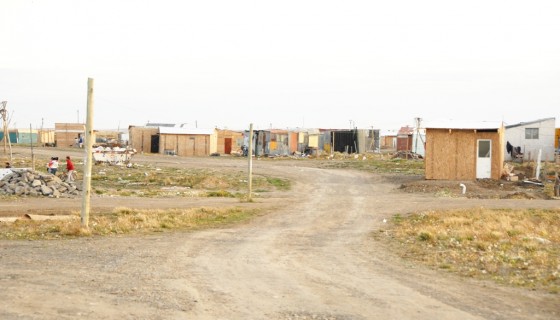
{"points": [[530, 147]]}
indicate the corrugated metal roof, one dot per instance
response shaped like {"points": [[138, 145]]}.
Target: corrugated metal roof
{"points": [[175, 130], [529, 123], [453, 124]]}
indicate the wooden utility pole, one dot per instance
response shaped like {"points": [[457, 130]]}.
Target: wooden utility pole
{"points": [[5, 122], [250, 156], [3, 113], [31, 141], [88, 158]]}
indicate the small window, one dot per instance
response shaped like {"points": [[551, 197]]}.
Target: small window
{"points": [[484, 148], [531, 133]]}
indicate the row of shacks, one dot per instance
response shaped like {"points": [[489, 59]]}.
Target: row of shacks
{"points": [[173, 140], [63, 135], [452, 151]]}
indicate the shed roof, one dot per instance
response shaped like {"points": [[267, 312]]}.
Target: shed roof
{"points": [[452, 124], [176, 130], [528, 123]]}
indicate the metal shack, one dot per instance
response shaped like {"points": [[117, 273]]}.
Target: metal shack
{"points": [[464, 151]]}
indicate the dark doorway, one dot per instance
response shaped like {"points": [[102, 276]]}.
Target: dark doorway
{"points": [[155, 144]]}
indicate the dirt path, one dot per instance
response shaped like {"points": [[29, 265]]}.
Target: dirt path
{"points": [[311, 258]]}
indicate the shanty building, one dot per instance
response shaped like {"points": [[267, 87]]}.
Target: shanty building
{"points": [[27, 136], [405, 138], [279, 142], [46, 137], [173, 140], [530, 137], [464, 151], [228, 141], [67, 133], [11, 137], [389, 140], [368, 140]]}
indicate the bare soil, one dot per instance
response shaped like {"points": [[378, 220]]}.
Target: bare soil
{"points": [[311, 256]]}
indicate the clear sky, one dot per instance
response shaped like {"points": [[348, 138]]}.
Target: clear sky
{"points": [[326, 64]]}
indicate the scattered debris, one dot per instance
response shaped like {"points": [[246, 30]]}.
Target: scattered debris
{"points": [[407, 155], [113, 156], [26, 182], [533, 182]]}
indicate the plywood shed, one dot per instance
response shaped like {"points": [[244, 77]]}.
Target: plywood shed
{"points": [[173, 140], [46, 137], [228, 141], [389, 142], [464, 152], [187, 142], [67, 133], [557, 139], [140, 138]]}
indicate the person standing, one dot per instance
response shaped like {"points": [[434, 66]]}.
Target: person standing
{"points": [[53, 165], [69, 169]]}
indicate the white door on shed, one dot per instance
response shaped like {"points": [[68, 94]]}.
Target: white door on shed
{"points": [[484, 159]]}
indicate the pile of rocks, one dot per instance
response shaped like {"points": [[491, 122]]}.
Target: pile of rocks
{"points": [[26, 182]]}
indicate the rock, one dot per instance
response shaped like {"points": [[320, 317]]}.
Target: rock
{"points": [[52, 183], [19, 190], [24, 182], [46, 190]]}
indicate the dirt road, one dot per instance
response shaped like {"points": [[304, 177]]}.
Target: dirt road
{"points": [[312, 257]]}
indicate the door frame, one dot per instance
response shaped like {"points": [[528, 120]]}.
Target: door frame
{"points": [[484, 163]]}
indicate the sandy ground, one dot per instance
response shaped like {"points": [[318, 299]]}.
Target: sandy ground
{"points": [[312, 256]]}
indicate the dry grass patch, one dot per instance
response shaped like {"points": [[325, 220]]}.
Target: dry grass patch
{"points": [[515, 247], [126, 221], [377, 164], [151, 181]]}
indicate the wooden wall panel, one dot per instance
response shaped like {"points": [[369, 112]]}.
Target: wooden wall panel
{"points": [[451, 154]]}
